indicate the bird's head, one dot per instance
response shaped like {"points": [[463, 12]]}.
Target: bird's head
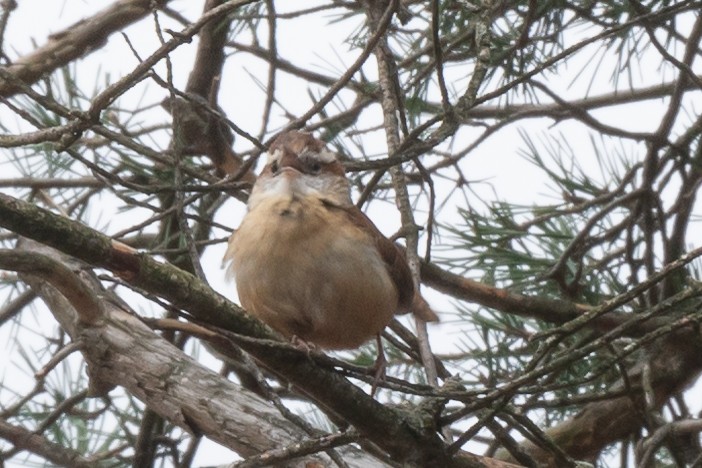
{"points": [[300, 165]]}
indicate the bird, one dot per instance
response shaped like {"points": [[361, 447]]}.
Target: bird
{"points": [[308, 262]]}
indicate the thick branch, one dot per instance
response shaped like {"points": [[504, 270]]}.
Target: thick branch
{"points": [[201, 128], [675, 362], [38, 444], [85, 36], [396, 431], [121, 350], [553, 311]]}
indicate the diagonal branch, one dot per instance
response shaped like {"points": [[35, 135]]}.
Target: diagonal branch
{"points": [[79, 39], [396, 431], [40, 445], [121, 350]]}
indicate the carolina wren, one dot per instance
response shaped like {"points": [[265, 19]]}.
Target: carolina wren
{"points": [[308, 262]]}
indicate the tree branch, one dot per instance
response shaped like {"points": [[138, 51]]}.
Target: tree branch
{"points": [[121, 350], [396, 431], [79, 39]]}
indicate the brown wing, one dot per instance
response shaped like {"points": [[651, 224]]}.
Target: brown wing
{"points": [[392, 256]]}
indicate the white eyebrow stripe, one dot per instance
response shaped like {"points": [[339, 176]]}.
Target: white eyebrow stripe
{"points": [[327, 156], [274, 156]]}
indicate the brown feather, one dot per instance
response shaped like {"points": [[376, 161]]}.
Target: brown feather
{"points": [[300, 243], [296, 143], [394, 259]]}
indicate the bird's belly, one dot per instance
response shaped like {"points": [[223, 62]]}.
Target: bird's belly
{"points": [[318, 279]]}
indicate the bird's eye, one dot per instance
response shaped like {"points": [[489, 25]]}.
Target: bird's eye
{"points": [[314, 167], [274, 167]]}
